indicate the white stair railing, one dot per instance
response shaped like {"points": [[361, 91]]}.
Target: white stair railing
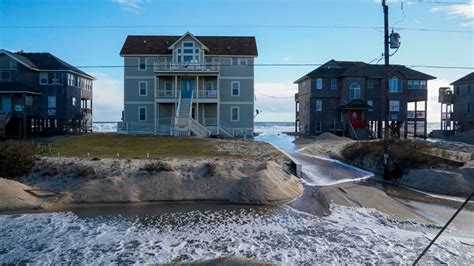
{"points": [[226, 129], [198, 129]]}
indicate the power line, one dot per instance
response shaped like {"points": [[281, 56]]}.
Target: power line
{"points": [[231, 26], [275, 97], [255, 65]]}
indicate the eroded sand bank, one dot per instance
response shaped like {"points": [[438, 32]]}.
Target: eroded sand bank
{"points": [[56, 182]]}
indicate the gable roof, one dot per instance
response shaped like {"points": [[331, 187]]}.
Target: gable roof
{"points": [[20, 59], [335, 69], [44, 62], [356, 104], [466, 79], [184, 36], [217, 45]]}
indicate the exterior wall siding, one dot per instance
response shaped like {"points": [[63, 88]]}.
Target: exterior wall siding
{"points": [[462, 97], [228, 73], [332, 98]]}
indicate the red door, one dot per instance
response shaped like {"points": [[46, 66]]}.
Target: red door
{"points": [[355, 117]]}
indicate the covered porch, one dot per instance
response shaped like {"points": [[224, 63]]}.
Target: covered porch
{"points": [[19, 107], [354, 121], [204, 113]]}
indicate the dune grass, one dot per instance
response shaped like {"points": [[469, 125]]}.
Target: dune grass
{"points": [[134, 147]]}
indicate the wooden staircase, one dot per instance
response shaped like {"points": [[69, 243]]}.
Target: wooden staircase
{"points": [[360, 133], [184, 123], [4, 119]]}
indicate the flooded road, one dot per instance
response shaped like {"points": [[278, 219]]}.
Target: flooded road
{"points": [[317, 171]]}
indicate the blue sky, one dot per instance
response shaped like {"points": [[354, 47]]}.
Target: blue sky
{"points": [[101, 46]]}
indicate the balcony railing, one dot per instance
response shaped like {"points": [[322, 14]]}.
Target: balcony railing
{"points": [[87, 111], [172, 94], [165, 121], [186, 67], [207, 94], [419, 114], [209, 121]]}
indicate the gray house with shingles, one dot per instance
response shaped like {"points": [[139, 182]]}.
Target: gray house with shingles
{"points": [[348, 98], [42, 94], [189, 85], [459, 104]]}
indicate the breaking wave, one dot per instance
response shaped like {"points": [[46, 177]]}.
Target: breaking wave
{"points": [[283, 235]]}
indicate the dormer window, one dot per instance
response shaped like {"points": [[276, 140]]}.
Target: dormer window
{"points": [[187, 53]]}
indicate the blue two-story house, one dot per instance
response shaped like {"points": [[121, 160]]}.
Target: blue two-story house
{"points": [[41, 94], [189, 85]]}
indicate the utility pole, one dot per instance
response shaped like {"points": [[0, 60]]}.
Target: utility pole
{"points": [[386, 91]]}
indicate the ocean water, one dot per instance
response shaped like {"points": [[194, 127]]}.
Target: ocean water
{"points": [[260, 127], [176, 234]]}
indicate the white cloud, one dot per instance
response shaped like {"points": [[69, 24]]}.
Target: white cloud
{"points": [[465, 11], [108, 97], [286, 59], [276, 101], [133, 6], [434, 108]]}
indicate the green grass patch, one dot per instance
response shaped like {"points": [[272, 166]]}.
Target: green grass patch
{"points": [[126, 146]]}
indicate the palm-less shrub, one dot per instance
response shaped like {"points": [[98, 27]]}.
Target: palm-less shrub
{"points": [[17, 158], [156, 167], [404, 154]]}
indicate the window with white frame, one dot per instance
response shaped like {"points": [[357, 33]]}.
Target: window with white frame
{"points": [[394, 85], [73, 100], [318, 128], [319, 105], [51, 101], [333, 84], [354, 90], [43, 76], [238, 61], [235, 86], [394, 106], [55, 78], [5, 76], [235, 114], [168, 85], [142, 88], [370, 103], [142, 63], [416, 84], [187, 53], [370, 84], [142, 113], [75, 81], [319, 83]]}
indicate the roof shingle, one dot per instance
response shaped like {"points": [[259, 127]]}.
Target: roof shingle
{"points": [[466, 79], [360, 69], [218, 45], [47, 61]]}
